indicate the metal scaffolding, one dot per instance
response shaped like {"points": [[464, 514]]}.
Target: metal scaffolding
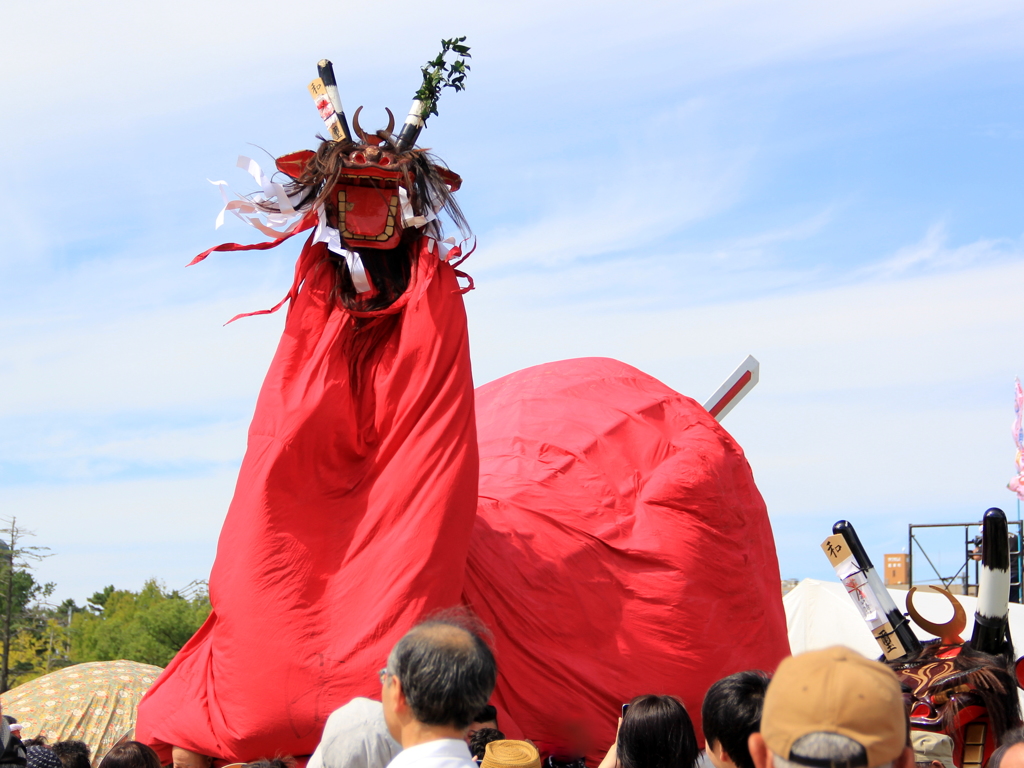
{"points": [[965, 580]]}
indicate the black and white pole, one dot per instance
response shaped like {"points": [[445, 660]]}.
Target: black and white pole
{"points": [[991, 617], [326, 71], [890, 628], [412, 126]]}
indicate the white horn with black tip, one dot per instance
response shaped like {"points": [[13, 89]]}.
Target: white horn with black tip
{"points": [[991, 617], [414, 123]]}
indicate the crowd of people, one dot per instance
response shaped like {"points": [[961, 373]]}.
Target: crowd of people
{"points": [[71, 753], [830, 708]]}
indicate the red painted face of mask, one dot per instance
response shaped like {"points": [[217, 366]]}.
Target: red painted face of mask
{"points": [[365, 205], [949, 696]]}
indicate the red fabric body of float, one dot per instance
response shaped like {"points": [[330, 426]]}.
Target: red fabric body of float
{"points": [[351, 519], [621, 547]]}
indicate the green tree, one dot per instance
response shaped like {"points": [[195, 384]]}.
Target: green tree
{"points": [[39, 650], [99, 599], [149, 626], [18, 590]]}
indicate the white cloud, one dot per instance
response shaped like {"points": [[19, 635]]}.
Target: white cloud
{"points": [[801, 230], [595, 212], [933, 252], [890, 331], [70, 447], [74, 68], [164, 359]]}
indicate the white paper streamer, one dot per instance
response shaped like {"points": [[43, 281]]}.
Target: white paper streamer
{"points": [[358, 271], [277, 224], [444, 247], [325, 233], [409, 217], [271, 189]]}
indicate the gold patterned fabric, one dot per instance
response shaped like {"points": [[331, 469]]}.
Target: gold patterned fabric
{"points": [[93, 702]]}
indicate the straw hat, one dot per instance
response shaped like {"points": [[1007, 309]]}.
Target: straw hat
{"points": [[511, 754]]}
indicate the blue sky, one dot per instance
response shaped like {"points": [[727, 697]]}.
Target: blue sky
{"points": [[834, 190]]}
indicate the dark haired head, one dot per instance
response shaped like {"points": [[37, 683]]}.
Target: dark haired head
{"points": [[130, 754], [277, 762], [656, 732], [72, 753], [732, 711], [446, 670], [488, 714], [478, 741], [38, 756], [71, 747]]}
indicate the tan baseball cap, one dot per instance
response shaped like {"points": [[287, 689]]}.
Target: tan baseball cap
{"points": [[835, 690], [930, 746]]}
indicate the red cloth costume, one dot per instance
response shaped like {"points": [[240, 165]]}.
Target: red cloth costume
{"points": [[351, 520], [621, 547]]}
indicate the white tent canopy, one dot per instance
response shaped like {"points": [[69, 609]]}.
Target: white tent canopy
{"points": [[820, 614]]}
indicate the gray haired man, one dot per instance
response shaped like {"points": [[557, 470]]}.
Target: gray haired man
{"points": [[832, 709], [437, 678]]}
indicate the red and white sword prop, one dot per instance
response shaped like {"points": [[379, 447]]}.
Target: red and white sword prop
{"points": [[734, 388]]}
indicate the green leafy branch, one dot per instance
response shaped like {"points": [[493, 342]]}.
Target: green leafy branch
{"points": [[438, 74]]}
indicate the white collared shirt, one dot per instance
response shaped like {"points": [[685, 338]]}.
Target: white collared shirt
{"points": [[442, 753]]}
